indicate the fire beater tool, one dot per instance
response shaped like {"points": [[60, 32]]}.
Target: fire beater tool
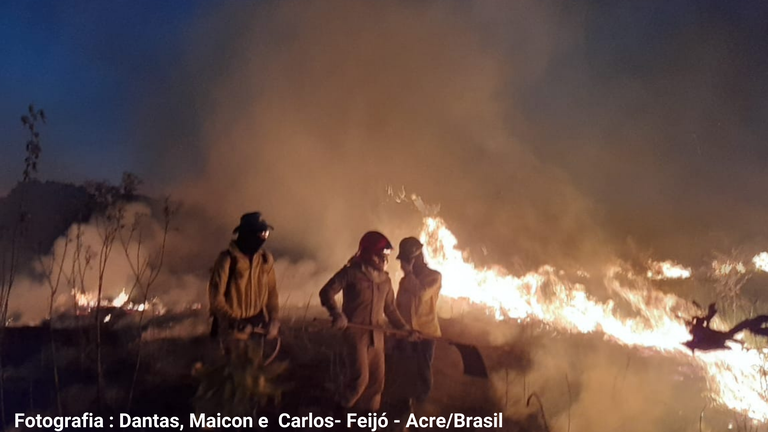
{"points": [[703, 338], [473, 362]]}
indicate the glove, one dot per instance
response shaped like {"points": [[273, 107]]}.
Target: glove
{"points": [[414, 336], [339, 321], [273, 329]]}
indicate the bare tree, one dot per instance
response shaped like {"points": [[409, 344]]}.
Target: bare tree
{"points": [[10, 256], [53, 274], [108, 223], [10, 238], [146, 268], [129, 185], [82, 255]]}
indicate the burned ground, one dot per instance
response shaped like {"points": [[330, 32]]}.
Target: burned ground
{"points": [[172, 350]]}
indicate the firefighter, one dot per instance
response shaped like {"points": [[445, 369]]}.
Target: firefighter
{"points": [[243, 290], [416, 301], [367, 296]]}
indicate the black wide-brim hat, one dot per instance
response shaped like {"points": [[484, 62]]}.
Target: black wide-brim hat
{"points": [[252, 222]]}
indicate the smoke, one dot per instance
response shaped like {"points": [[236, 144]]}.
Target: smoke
{"points": [[135, 261], [73, 264], [540, 138], [585, 384], [313, 111], [538, 143]]}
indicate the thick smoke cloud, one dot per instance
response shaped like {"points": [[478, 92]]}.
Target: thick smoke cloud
{"points": [[547, 133], [316, 110]]}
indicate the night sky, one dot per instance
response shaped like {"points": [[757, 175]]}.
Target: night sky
{"points": [[659, 106], [89, 65]]}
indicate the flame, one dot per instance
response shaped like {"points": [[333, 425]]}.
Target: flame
{"points": [[107, 318], [121, 299], [659, 270], [733, 377], [761, 261], [583, 274], [84, 299], [728, 267], [87, 302]]}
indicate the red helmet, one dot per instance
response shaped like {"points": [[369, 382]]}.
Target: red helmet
{"points": [[373, 242]]}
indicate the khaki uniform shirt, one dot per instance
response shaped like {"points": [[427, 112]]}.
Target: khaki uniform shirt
{"points": [[367, 297]]}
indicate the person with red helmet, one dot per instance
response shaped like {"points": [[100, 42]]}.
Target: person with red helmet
{"points": [[367, 297]]}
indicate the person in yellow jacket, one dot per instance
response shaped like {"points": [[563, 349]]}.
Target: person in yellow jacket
{"points": [[242, 291], [417, 303]]}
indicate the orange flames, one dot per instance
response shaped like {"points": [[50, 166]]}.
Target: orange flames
{"points": [[120, 299], [733, 376], [86, 301], [667, 270], [760, 261]]}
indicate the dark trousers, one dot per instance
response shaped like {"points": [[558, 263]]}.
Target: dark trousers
{"points": [[418, 356]]}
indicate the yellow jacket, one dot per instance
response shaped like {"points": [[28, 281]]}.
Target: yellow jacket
{"points": [[417, 301], [241, 287]]}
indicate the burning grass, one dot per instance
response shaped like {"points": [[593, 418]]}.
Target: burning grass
{"points": [[656, 322]]}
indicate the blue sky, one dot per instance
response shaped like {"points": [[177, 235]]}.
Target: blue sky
{"points": [[87, 64]]}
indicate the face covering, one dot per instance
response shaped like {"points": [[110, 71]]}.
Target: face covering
{"points": [[250, 242]]}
